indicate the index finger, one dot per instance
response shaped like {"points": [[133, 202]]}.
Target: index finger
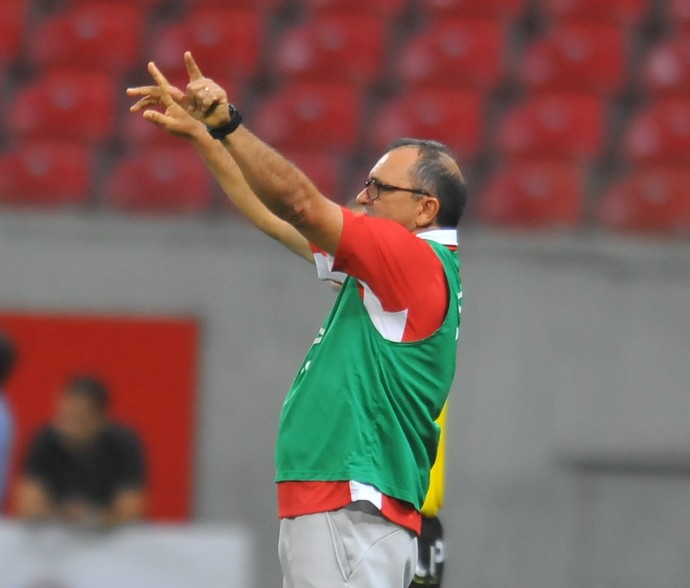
{"points": [[192, 68], [162, 83]]}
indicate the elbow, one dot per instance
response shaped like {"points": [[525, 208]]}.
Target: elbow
{"points": [[297, 211]]}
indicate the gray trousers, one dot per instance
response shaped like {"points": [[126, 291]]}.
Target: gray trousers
{"points": [[353, 547]]}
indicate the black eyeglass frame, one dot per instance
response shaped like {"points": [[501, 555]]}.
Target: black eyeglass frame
{"points": [[389, 188]]}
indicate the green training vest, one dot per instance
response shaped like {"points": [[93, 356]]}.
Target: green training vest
{"points": [[363, 408]]}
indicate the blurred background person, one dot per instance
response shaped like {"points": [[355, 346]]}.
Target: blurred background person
{"points": [[7, 359], [83, 468]]}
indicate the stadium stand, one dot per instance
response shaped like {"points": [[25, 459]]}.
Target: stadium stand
{"points": [[333, 47], [504, 9], [104, 37], [554, 124], [455, 52], [46, 174], [660, 133], [655, 199], [167, 180], [321, 116], [12, 26], [332, 81], [453, 116], [534, 194], [383, 8], [227, 41], [625, 12], [577, 56], [666, 70], [65, 104]]}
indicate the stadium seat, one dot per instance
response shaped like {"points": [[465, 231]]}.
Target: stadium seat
{"points": [[534, 194], [258, 5], [680, 14], [504, 9], [554, 124], [225, 42], [455, 52], [46, 174], [338, 48], [99, 36], [661, 133], [65, 104], [311, 116], [454, 117], [384, 8], [577, 57], [625, 12], [12, 25], [651, 200], [667, 68], [170, 179]]}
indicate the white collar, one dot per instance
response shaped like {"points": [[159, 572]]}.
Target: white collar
{"points": [[446, 237]]}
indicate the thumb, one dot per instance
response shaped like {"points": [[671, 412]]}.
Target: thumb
{"points": [[192, 68]]}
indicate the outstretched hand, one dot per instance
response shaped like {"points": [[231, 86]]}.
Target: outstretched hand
{"points": [[205, 99], [175, 119]]}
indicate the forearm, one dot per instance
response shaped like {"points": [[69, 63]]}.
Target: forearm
{"points": [[32, 501], [128, 506], [230, 178]]}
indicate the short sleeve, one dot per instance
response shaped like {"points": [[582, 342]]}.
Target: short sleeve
{"points": [[399, 267], [38, 458]]}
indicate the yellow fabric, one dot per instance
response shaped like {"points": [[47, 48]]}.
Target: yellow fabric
{"points": [[434, 496]]}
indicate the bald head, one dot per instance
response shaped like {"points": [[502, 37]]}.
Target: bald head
{"points": [[436, 171]]}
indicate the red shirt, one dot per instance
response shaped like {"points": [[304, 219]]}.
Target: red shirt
{"points": [[403, 287]]}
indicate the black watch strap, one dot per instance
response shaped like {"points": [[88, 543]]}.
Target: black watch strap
{"points": [[229, 127]]}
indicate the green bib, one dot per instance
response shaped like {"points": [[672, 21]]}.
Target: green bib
{"points": [[362, 407]]}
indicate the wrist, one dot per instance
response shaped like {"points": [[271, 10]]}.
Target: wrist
{"points": [[222, 131]]}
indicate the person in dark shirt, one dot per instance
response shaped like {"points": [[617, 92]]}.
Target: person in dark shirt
{"points": [[83, 468]]}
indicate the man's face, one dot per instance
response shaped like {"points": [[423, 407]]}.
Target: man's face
{"points": [[78, 420], [405, 208]]}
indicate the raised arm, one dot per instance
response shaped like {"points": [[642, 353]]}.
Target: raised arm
{"points": [[223, 167], [279, 185]]}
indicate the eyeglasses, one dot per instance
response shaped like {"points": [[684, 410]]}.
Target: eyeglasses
{"points": [[374, 189]]}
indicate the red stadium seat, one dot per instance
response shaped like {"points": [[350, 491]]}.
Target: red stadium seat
{"points": [[534, 194], [650, 200], [66, 104], [577, 57], [383, 8], [626, 12], [224, 41], [660, 134], [311, 116], [258, 5], [455, 52], [454, 117], [554, 124], [667, 68], [170, 179], [508, 9], [338, 48], [680, 14], [90, 36], [46, 174], [12, 24]]}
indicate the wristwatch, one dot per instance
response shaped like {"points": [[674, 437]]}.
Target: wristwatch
{"points": [[229, 127]]}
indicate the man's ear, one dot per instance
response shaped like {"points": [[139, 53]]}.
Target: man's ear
{"points": [[428, 211]]}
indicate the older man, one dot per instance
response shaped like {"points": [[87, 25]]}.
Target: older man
{"points": [[357, 436]]}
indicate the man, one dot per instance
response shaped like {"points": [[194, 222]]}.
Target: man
{"points": [[7, 359], [357, 436], [83, 469]]}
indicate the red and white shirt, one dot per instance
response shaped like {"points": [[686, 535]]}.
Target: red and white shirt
{"points": [[404, 290]]}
